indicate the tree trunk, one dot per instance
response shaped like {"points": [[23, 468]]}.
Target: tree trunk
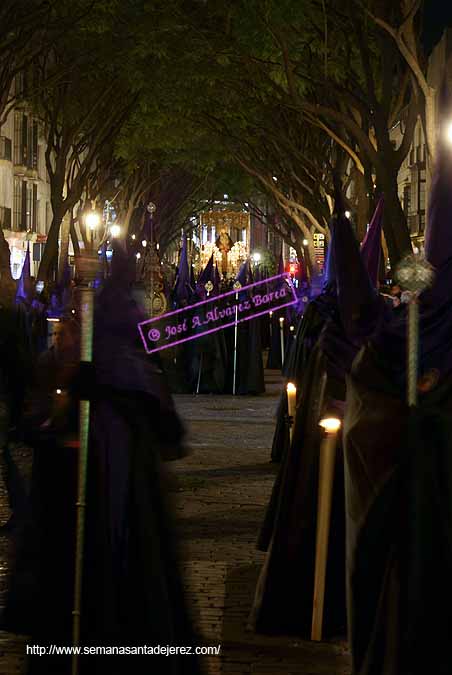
{"points": [[64, 247], [362, 206], [51, 247], [74, 238], [394, 221]]}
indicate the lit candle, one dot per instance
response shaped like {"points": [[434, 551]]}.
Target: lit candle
{"points": [[291, 405]]}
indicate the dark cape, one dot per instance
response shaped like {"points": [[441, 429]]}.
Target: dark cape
{"points": [[250, 368], [307, 334], [398, 477], [284, 595], [132, 591]]}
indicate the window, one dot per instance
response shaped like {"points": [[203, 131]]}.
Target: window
{"points": [[25, 205], [406, 199], [17, 204], [26, 131]]}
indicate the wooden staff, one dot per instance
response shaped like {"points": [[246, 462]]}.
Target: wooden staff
{"points": [[281, 329], [414, 274], [87, 269], [209, 287], [237, 285]]}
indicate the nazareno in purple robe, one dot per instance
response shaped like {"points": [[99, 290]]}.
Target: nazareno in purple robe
{"points": [[132, 590]]}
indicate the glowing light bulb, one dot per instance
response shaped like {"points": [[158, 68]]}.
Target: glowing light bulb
{"points": [[92, 220], [144, 242], [58, 391], [138, 256], [115, 230], [133, 236]]}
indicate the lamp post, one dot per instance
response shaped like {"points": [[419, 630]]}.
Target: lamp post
{"points": [[151, 207], [414, 274], [92, 222], [87, 270], [237, 286], [331, 424]]}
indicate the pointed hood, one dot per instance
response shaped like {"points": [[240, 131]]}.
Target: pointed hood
{"points": [[438, 236], [371, 245], [244, 273], [181, 288], [329, 275], [208, 274], [122, 264], [23, 287], [356, 295]]}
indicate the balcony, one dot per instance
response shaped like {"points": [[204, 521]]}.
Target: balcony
{"points": [[5, 148]]}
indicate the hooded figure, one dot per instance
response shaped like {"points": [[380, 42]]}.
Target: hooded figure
{"points": [[23, 293], [371, 244], [284, 595], [308, 331], [132, 591], [274, 361], [398, 475], [206, 355], [178, 360], [182, 291], [249, 365]]}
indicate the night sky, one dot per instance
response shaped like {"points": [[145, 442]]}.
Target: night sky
{"points": [[437, 15]]}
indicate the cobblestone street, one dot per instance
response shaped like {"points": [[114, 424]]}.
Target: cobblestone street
{"points": [[220, 493]]}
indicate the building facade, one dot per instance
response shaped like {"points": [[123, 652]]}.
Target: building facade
{"points": [[25, 209]]}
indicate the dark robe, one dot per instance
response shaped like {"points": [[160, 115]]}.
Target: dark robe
{"points": [[398, 477], [132, 591], [308, 331], [283, 600], [250, 368]]}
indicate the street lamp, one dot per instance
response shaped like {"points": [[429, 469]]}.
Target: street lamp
{"points": [[92, 222], [347, 214], [115, 230], [257, 257]]}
